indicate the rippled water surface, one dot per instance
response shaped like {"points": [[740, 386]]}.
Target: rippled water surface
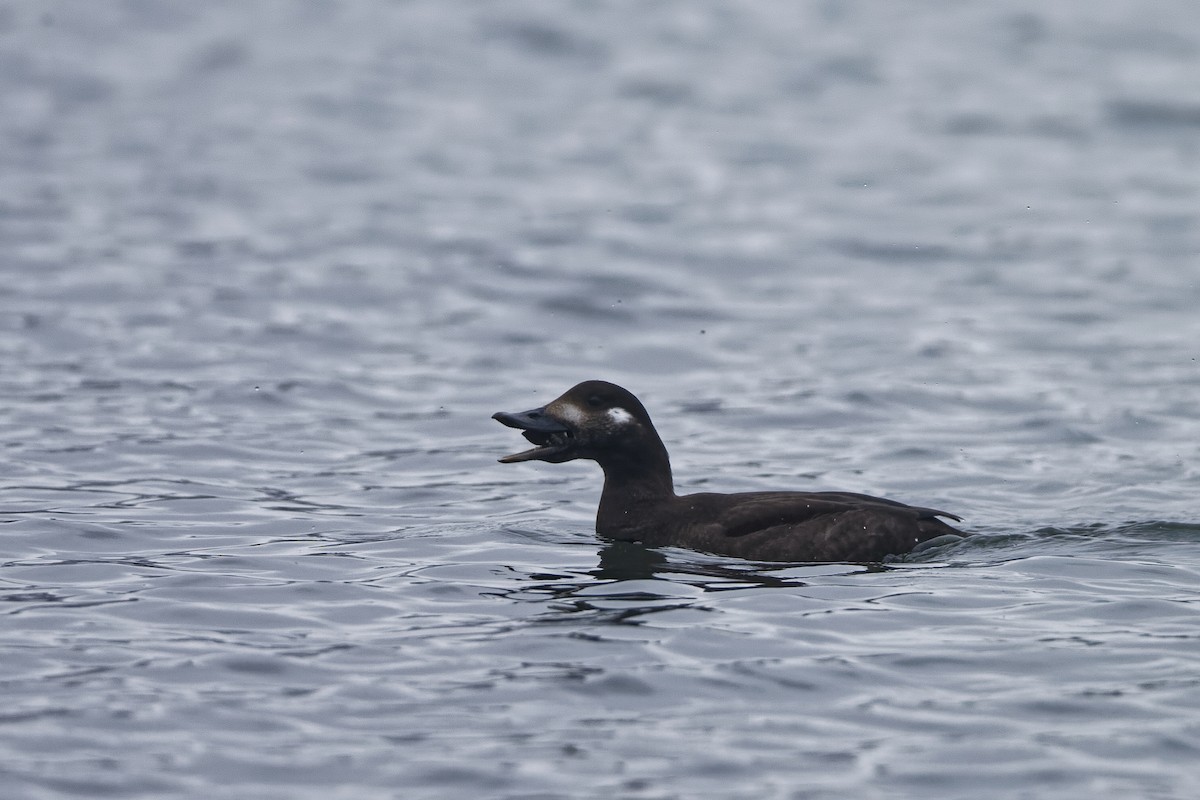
{"points": [[268, 268]]}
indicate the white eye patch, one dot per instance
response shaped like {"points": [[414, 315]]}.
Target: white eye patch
{"points": [[620, 417]]}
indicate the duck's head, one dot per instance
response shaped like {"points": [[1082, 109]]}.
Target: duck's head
{"points": [[595, 419]]}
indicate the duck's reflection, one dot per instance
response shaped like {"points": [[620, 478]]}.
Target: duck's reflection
{"points": [[630, 581], [628, 561]]}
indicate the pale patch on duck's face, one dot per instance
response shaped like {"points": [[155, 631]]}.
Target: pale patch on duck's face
{"points": [[619, 417], [569, 413], [591, 425]]}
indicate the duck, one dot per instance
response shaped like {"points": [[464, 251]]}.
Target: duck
{"points": [[603, 422]]}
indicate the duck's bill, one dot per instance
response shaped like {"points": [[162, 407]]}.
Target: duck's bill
{"points": [[553, 440]]}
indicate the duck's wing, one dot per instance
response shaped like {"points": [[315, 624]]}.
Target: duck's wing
{"points": [[854, 498], [758, 511]]}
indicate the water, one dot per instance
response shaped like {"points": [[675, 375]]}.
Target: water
{"points": [[269, 268]]}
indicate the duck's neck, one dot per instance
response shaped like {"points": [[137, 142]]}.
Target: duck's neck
{"points": [[631, 482]]}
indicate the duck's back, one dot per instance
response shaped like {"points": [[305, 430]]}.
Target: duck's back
{"points": [[797, 526]]}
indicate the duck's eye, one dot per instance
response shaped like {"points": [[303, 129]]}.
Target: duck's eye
{"points": [[595, 401]]}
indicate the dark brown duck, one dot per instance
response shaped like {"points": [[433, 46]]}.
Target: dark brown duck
{"points": [[607, 424]]}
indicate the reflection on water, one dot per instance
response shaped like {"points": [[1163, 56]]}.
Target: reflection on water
{"points": [[631, 581]]}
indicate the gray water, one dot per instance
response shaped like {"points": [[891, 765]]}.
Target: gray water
{"points": [[268, 268]]}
